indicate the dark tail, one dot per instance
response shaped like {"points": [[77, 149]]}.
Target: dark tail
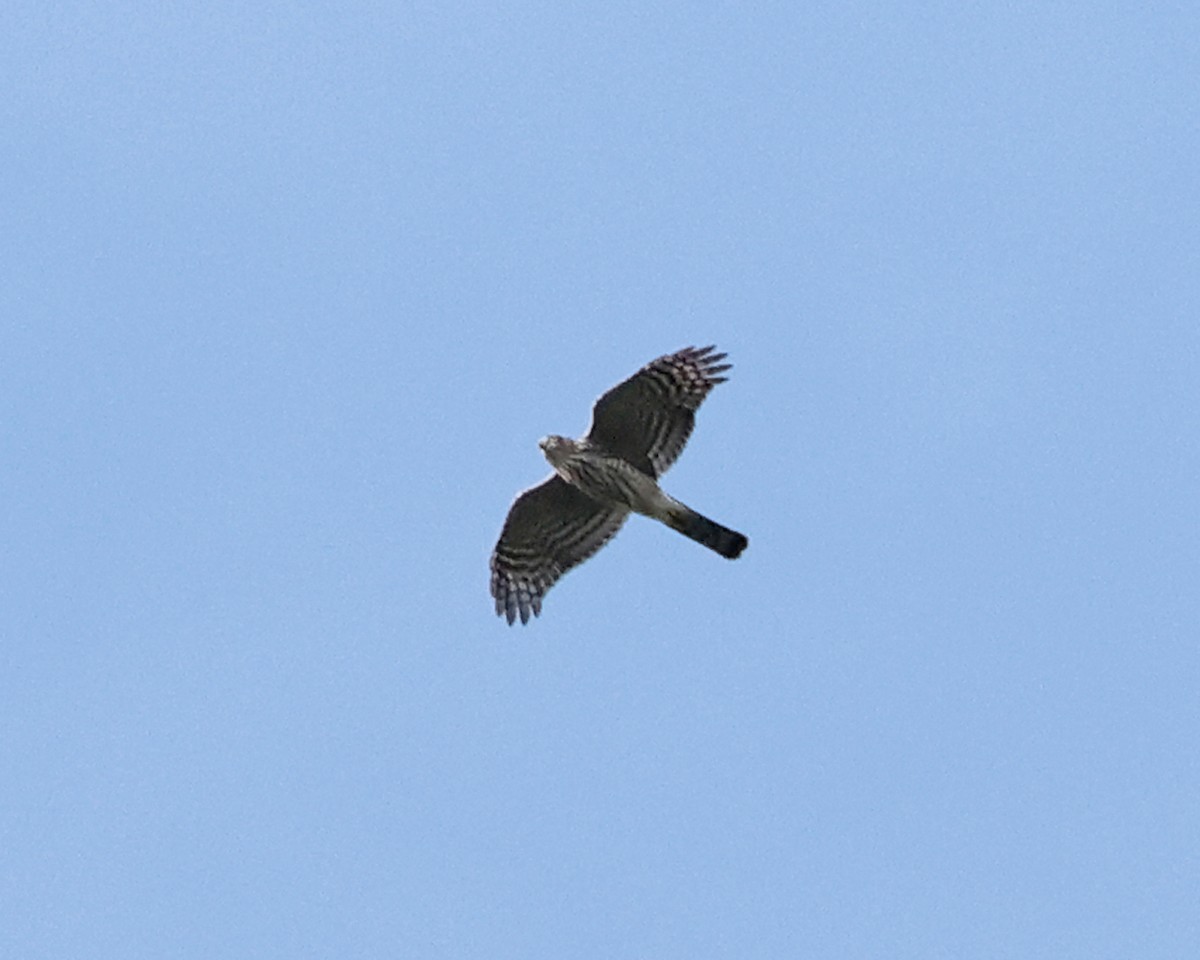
{"points": [[728, 543]]}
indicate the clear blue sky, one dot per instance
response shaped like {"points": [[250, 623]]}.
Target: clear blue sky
{"points": [[289, 293]]}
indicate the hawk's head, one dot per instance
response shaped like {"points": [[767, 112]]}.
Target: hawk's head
{"points": [[555, 448]]}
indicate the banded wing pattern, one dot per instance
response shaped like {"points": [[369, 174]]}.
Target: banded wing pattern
{"points": [[550, 529], [648, 418]]}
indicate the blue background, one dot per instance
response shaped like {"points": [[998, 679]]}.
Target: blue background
{"points": [[290, 291]]}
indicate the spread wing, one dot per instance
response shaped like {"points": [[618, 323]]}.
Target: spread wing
{"points": [[648, 418], [550, 529]]}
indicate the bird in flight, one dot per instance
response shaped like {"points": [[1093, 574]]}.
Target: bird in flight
{"points": [[639, 428]]}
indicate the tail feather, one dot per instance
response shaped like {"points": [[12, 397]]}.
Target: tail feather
{"points": [[728, 543]]}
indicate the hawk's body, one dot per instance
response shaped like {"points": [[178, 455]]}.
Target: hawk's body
{"points": [[638, 430]]}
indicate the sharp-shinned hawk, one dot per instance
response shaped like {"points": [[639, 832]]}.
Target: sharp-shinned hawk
{"points": [[638, 430]]}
